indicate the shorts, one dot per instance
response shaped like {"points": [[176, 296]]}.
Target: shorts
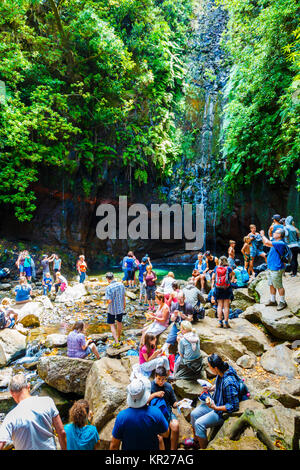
{"points": [[254, 251], [129, 275], [111, 319], [88, 351], [223, 294], [28, 271], [247, 257], [275, 278], [142, 288], [151, 292]]}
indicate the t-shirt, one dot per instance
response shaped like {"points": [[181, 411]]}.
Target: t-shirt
{"points": [[45, 265], [83, 438], [27, 262], [239, 277], [149, 279], [143, 350], [57, 263], [142, 270], [169, 396], [200, 266], [22, 293], [137, 428], [47, 281], [29, 424], [129, 263], [75, 341], [274, 261], [186, 309], [167, 284]]}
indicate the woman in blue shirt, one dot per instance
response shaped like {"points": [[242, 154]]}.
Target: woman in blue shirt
{"points": [[80, 434]]}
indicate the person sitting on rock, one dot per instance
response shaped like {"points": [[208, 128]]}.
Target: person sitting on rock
{"points": [[211, 262], [181, 310], [150, 358], [8, 316], [225, 399], [193, 297], [23, 291], [240, 276], [80, 434], [160, 317], [161, 389], [166, 285], [47, 283], [199, 272], [172, 298], [189, 365], [138, 427], [77, 344], [60, 282]]}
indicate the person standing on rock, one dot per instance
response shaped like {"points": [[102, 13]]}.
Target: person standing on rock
{"points": [[81, 268], [56, 264], [150, 279], [138, 427], [115, 296], [20, 263], [256, 246], [246, 254], [223, 291], [77, 344], [27, 265], [276, 225], [142, 269], [45, 263], [293, 241], [29, 424], [231, 253], [276, 267]]}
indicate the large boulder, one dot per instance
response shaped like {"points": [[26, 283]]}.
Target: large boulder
{"points": [[283, 397], [29, 314], [231, 343], [187, 389], [5, 376], [274, 425], [72, 293], [66, 374], [242, 299], [7, 402], [56, 341], [278, 360], [106, 390], [12, 346], [282, 324]]}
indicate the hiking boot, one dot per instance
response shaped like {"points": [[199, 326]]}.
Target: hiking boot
{"points": [[281, 306], [227, 325], [271, 304], [220, 325]]}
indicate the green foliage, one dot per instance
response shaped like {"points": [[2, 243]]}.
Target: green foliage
{"points": [[90, 85], [261, 118]]}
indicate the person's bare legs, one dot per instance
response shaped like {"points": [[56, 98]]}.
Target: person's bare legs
{"points": [[202, 280], [119, 329], [114, 332], [202, 442], [220, 310], [174, 429], [94, 349], [226, 310]]}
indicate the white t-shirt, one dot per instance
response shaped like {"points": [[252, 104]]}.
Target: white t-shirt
{"points": [[167, 284], [29, 424]]}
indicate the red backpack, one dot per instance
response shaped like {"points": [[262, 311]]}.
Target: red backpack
{"points": [[222, 277]]}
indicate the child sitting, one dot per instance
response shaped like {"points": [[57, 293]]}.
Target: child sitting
{"points": [[240, 277], [150, 358], [161, 389], [47, 283], [8, 316]]}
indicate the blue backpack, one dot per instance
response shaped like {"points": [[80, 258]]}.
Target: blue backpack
{"points": [[161, 404], [244, 275]]}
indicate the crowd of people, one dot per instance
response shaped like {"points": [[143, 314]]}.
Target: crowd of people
{"points": [[149, 419]]}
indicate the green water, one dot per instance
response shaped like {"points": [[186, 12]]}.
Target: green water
{"points": [[181, 271]]}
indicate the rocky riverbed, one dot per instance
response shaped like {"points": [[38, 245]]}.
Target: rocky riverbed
{"points": [[261, 345]]}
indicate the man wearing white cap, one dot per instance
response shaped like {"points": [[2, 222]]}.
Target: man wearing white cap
{"points": [[138, 426]]}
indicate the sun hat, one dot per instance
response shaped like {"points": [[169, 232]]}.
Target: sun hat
{"points": [[138, 392]]}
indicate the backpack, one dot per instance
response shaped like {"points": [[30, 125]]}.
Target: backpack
{"points": [[243, 390], [244, 275], [286, 258], [161, 404], [222, 277], [2, 320]]}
